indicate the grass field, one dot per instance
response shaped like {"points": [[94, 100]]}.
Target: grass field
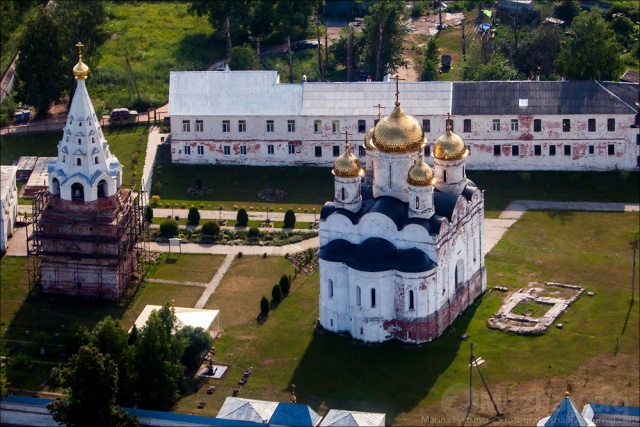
{"points": [[191, 267], [128, 144]]}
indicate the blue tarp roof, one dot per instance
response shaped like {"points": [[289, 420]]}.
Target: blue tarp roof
{"points": [[289, 414], [566, 415]]}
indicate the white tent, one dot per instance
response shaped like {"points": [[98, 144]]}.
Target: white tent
{"points": [[258, 411], [194, 317], [338, 417]]}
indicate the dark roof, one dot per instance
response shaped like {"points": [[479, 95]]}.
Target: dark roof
{"points": [[627, 92], [543, 98], [609, 415], [566, 415], [630, 76], [376, 254], [289, 414]]}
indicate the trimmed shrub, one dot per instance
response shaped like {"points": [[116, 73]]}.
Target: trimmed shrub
{"points": [[155, 201], [285, 284], [169, 228], [264, 306], [276, 293], [242, 217], [211, 228], [253, 232], [239, 254], [289, 219], [194, 216]]}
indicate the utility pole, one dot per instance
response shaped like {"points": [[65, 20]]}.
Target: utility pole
{"points": [[636, 238], [464, 50], [290, 59], [350, 53]]}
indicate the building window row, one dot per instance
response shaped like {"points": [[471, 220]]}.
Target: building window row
{"points": [[537, 150]]}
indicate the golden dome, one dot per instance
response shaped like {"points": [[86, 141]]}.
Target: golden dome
{"points": [[449, 146], [420, 174], [398, 133], [347, 165], [368, 140], [81, 70]]}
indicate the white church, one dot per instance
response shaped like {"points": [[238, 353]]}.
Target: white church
{"points": [[401, 247]]}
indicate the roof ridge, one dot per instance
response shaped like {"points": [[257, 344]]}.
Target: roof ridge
{"points": [[616, 96]]}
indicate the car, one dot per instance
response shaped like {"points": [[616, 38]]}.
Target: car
{"points": [[304, 45]]}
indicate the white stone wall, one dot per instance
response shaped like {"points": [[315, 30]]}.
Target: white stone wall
{"points": [[9, 206], [480, 140]]}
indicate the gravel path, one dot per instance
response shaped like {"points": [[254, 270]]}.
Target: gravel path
{"points": [[213, 284]]}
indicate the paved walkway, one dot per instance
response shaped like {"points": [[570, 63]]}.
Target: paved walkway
{"points": [[213, 284], [175, 282], [155, 138]]}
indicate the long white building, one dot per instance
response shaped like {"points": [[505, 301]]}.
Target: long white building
{"points": [[250, 118]]}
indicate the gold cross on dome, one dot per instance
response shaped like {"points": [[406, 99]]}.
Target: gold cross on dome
{"points": [[346, 138], [397, 79], [448, 122], [378, 107], [79, 45]]}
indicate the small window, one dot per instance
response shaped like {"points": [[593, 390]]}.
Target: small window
{"points": [[514, 125], [78, 162], [291, 126], [79, 123], [592, 150], [270, 126], [227, 150], [318, 151], [496, 125], [243, 150], [270, 149], [426, 125], [335, 126], [361, 151], [611, 125], [566, 125], [362, 126], [427, 150], [242, 125], [93, 140], [187, 150], [330, 288], [226, 126], [411, 300], [343, 193], [186, 126], [200, 150], [199, 126], [64, 158], [467, 125], [292, 149], [336, 150], [537, 150], [417, 202], [95, 160], [515, 150], [591, 125], [496, 150], [358, 296], [67, 139], [444, 175], [567, 150], [79, 141], [317, 126], [373, 298], [611, 149], [552, 150], [537, 125]]}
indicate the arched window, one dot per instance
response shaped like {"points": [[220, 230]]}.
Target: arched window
{"points": [[55, 186], [102, 189], [343, 193], [389, 176], [77, 192], [79, 123], [459, 276], [358, 296], [417, 202], [445, 175], [411, 300], [330, 288], [78, 161], [373, 297]]}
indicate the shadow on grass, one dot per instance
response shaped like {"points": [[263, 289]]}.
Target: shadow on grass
{"points": [[626, 320], [391, 377], [172, 258], [562, 216]]}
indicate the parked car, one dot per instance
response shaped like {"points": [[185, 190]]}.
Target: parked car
{"points": [[304, 45], [122, 115]]}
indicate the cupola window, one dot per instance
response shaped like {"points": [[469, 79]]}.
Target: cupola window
{"points": [[78, 161], [444, 176], [343, 193], [411, 300], [330, 285], [417, 202], [358, 296], [79, 141], [373, 298], [96, 160]]}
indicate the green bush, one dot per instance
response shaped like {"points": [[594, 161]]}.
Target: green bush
{"points": [[155, 201], [253, 233], [193, 216], [289, 219], [264, 306], [242, 217], [211, 228], [285, 284], [169, 227], [20, 362], [276, 293]]}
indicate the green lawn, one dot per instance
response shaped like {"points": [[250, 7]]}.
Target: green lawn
{"points": [[128, 143], [187, 267]]}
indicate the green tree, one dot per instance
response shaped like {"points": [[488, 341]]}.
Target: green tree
{"points": [[243, 58], [157, 364], [264, 306], [540, 49], [198, 340], [77, 336], [193, 216], [289, 219], [211, 228], [431, 65], [41, 70], [498, 68], [253, 233], [567, 10], [384, 33], [285, 284], [242, 217], [148, 214], [90, 379], [591, 52], [276, 293], [169, 227]]}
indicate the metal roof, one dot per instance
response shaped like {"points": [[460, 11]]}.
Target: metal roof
{"points": [[290, 414], [338, 417], [258, 411], [543, 98], [232, 93], [566, 414], [626, 92], [7, 176], [359, 98]]}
